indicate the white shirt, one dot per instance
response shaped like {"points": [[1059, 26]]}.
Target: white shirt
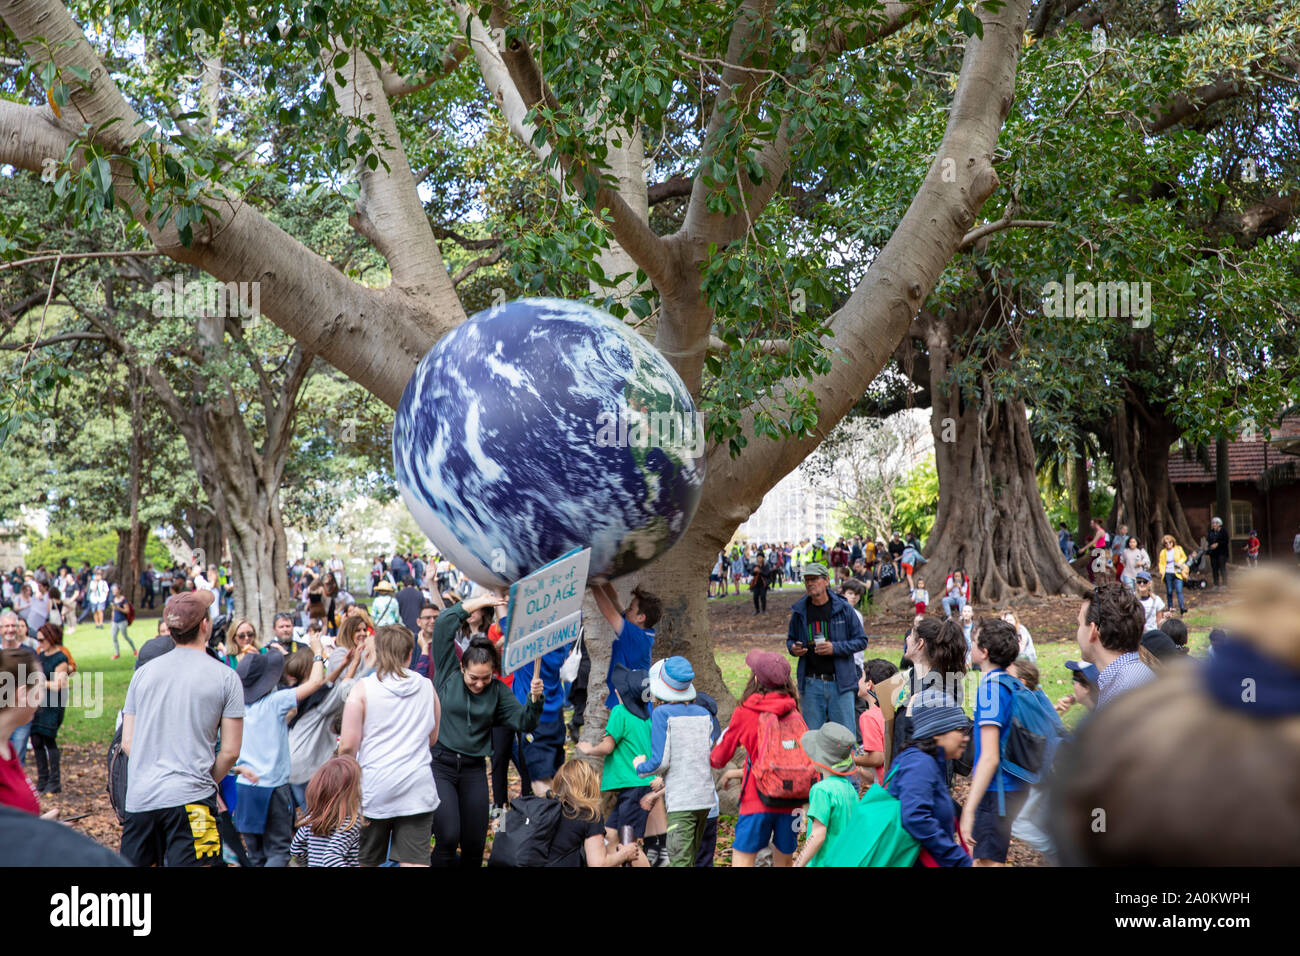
{"points": [[396, 780], [98, 591], [1152, 604]]}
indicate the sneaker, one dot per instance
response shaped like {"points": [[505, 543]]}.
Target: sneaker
{"points": [[116, 656]]}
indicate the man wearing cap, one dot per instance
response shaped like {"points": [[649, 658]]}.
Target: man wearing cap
{"points": [[1110, 632], [174, 710], [824, 634]]}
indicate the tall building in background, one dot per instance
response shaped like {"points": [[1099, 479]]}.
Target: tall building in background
{"points": [[791, 511]]}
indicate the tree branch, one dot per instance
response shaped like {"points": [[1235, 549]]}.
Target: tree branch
{"points": [[989, 228], [673, 188], [868, 328], [396, 85], [352, 327], [526, 82], [469, 268], [54, 340]]}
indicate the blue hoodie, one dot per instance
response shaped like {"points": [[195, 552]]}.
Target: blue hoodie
{"points": [[928, 813]]}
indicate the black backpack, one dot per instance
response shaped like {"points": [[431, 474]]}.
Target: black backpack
{"points": [[527, 833], [117, 777]]}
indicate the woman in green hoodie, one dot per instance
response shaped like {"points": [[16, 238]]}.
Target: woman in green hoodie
{"points": [[473, 702]]}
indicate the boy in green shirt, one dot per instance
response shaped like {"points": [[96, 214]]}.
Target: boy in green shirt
{"points": [[627, 734], [833, 799]]}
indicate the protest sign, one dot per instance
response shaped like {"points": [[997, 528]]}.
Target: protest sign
{"points": [[545, 609]]}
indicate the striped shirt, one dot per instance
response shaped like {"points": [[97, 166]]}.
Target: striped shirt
{"points": [[1122, 674], [338, 849]]}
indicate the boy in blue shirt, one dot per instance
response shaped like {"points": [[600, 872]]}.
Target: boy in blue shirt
{"points": [[634, 634], [995, 646], [541, 750]]}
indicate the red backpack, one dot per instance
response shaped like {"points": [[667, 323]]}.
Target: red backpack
{"points": [[783, 774]]}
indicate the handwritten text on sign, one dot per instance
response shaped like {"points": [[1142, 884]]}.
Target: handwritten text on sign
{"points": [[545, 609]]}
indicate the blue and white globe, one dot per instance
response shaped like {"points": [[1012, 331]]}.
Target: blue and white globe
{"points": [[540, 426]]}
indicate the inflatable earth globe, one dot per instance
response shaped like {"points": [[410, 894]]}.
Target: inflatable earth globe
{"points": [[539, 426]]}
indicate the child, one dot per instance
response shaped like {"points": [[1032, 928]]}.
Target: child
{"points": [[920, 596], [634, 629], [329, 833], [870, 757], [681, 736], [627, 733], [768, 691], [1084, 685], [984, 825], [1152, 604], [910, 560], [1252, 550], [1031, 824], [833, 798], [940, 731], [263, 810]]}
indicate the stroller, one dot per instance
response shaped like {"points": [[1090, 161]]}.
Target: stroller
{"points": [[1198, 566]]}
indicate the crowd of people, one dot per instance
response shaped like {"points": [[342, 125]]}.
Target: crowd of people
{"points": [[384, 734]]}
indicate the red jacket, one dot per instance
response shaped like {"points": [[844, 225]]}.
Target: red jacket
{"points": [[743, 732]]}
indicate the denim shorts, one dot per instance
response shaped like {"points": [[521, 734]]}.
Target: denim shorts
{"points": [[755, 830], [627, 811]]}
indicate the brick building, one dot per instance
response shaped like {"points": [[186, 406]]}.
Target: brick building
{"points": [[1265, 482]]}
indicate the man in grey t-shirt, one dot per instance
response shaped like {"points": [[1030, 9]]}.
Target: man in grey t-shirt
{"points": [[175, 706]]}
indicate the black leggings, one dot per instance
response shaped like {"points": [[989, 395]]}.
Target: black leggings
{"points": [[461, 819], [504, 750], [760, 600]]}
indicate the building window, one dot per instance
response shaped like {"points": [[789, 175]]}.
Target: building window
{"points": [[1242, 519]]}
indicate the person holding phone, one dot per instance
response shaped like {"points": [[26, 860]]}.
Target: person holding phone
{"points": [[824, 634]]}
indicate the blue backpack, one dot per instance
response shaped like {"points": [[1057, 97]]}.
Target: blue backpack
{"points": [[1029, 745]]}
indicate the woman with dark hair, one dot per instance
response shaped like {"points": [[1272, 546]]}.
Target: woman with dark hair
{"points": [[940, 732], [770, 690], [473, 702], [937, 650], [55, 665]]}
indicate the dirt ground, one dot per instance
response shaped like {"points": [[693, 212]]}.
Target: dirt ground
{"points": [[84, 799]]}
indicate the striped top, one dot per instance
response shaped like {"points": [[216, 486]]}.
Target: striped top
{"points": [[338, 849]]}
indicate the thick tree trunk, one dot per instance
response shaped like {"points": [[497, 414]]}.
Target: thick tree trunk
{"points": [[204, 538], [991, 521], [1145, 498], [130, 544], [1082, 493], [1223, 483]]}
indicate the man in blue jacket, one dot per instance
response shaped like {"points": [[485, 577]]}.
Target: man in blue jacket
{"points": [[825, 634]]}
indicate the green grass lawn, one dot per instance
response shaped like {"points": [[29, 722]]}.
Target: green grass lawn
{"points": [[104, 680]]}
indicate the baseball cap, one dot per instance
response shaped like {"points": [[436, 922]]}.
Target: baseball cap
{"points": [[1143, 575], [185, 611], [813, 570], [1089, 671]]}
